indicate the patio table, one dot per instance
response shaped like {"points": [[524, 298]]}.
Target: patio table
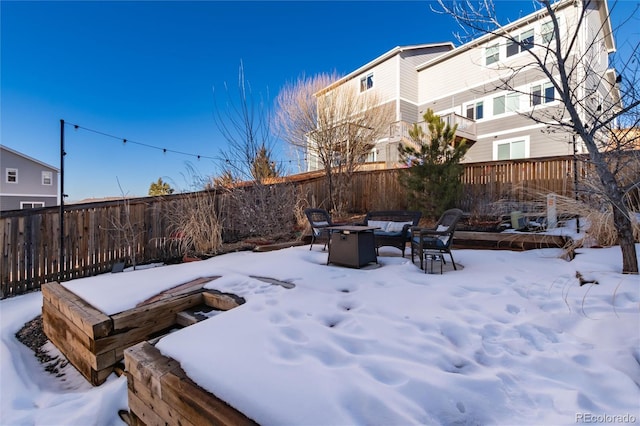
{"points": [[352, 245]]}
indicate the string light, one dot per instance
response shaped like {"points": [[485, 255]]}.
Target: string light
{"points": [[164, 150]]}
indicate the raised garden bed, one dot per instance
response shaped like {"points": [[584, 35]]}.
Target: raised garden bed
{"points": [[507, 240], [95, 342], [160, 393]]}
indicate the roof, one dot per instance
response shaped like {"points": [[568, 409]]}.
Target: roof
{"points": [[13, 151], [391, 53], [603, 10]]}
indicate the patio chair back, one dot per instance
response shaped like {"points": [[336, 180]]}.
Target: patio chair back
{"points": [[319, 219], [449, 219]]}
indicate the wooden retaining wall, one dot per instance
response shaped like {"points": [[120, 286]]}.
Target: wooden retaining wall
{"points": [[95, 342], [507, 240], [161, 394]]}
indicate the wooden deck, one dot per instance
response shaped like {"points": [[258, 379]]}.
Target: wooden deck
{"points": [[95, 342]]}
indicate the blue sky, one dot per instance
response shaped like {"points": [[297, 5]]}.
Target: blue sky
{"points": [[146, 71]]}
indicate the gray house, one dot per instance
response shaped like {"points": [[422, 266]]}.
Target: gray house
{"points": [[464, 86], [26, 183]]}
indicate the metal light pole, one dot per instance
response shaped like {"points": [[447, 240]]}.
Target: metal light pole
{"points": [[62, 154], [575, 178]]}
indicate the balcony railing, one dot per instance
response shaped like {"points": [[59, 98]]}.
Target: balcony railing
{"points": [[466, 127]]}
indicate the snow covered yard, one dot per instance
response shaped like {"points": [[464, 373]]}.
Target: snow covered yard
{"points": [[510, 339]]}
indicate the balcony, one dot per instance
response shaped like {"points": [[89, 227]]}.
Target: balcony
{"points": [[466, 128], [399, 133]]}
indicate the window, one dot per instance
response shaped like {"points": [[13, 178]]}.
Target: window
{"points": [[31, 204], [542, 94], [366, 82], [47, 178], [372, 157], [546, 32], [493, 54], [510, 150], [475, 111], [526, 40], [506, 103], [520, 43], [512, 47], [11, 175]]}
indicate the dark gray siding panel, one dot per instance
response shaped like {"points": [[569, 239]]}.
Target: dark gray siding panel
{"points": [[13, 202], [409, 112]]}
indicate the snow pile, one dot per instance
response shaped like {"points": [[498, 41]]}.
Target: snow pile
{"points": [[510, 338]]}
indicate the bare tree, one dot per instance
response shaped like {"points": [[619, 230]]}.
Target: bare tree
{"points": [[335, 125], [126, 232], [255, 205], [597, 106], [245, 123]]}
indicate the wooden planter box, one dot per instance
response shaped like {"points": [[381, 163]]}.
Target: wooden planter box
{"points": [[506, 240], [95, 342], [160, 393]]}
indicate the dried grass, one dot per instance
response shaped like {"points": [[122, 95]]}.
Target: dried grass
{"points": [[195, 225], [595, 213]]}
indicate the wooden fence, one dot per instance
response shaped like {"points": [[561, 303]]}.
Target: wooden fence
{"points": [[95, 238], [97, 235], [483, 183]]}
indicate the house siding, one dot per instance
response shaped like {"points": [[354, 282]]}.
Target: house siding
{"points": [[447, 81], [384, 80], [409, 112], [29, 187], [409, 60], [477, 82]]}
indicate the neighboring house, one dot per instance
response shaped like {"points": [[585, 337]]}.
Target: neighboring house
{"points": [[26, 182], [462, 86]]}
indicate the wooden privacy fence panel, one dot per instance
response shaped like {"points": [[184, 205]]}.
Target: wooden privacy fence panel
{"points": [[481, 182], [96, 236], [520, 179], [370, 190]]}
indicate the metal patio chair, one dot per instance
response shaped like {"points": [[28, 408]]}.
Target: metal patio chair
{"points": [[436, 240], [319, 219]]}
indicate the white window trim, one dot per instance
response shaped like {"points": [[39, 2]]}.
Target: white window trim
{"points": [[542, 103], [49, 175], [365, 79], [22, 203], [550, 32], [6, 174], [506, 96], [372, 156], [494, 47], [517, 40], [527, 148], [475, 105]]}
